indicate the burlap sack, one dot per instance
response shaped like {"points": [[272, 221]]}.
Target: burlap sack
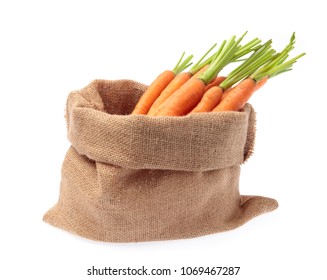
{"points": [[129, 178]]}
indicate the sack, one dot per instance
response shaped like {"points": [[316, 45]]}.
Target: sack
{"points": [[130, 178]]}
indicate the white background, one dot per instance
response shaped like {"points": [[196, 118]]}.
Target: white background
{"points": [[49, 48]]}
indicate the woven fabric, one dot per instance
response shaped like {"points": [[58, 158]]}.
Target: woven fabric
{"points": [[130, 178]]}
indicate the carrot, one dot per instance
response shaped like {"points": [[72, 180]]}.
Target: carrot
{"points": [[278, 63], [225, 93], [237, 96], [238, 52], [216, 82], [201, 71], [158, 85], [209, 101], [178, 81], [184, 99], [258, 86], [153, 91], [189, 95], [175, 84], [211, 98], [261, 83]]}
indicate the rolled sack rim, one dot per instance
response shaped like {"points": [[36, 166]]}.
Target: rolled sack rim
{"points": [[197, 142]]}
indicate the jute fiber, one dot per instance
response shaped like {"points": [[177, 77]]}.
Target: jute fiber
{"points": [[131, 178]]}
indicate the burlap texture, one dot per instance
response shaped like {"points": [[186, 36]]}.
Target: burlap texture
{"points": [[131, 178]]}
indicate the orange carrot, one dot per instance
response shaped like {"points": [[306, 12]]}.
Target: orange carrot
{"points": [[211, 97], [222, 86], [159, 84], [153, 91], [258, 85], [216, 82], [201, 71], [199, 68], [261, 83], [209, 101], [225, 93], [175, 84], [237, 97], [184, 99], [261, 56], [189, 95]]}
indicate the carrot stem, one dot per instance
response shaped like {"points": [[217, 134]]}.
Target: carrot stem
{"points": [[278, 63], [257, 59], [182, 64], [266, 46], [278, 69], [251, 66], [199, 65], [178, 63], [247, 48], [223, 57], [213, 56]]}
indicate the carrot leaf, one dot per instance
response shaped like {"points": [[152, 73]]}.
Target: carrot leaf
{"points": [[197, 66], [276, 70], [224, 56], [250, 65], [182, 64], [278, 63], [247, 48]]}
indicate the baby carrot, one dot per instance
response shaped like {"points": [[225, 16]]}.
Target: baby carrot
{"points": [[153, 91], [184, 99], [209, 101], [174, 84], [258, 86], [237, 96], [216, 82]]}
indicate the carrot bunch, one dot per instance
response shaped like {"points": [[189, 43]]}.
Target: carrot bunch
{"points": [[203, 89]]}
